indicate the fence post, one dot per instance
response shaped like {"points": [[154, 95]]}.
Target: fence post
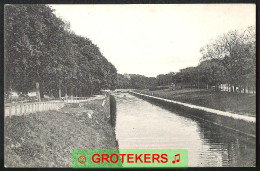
{"points": [[15, 109]]}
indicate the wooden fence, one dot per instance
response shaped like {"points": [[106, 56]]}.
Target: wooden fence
{"points": [[26, 108], [74, 99]]}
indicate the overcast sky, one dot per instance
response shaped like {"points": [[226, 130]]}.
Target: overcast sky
{"points": [[154, 39]]}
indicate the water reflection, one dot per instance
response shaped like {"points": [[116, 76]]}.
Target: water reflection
{"points": [[141, 124]]}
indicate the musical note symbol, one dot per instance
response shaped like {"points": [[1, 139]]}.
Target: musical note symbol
{"points": [[178, 160]]}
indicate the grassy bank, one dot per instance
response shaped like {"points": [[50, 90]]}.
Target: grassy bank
{"points": [[46, 139], [240, 126], [232, 102]]}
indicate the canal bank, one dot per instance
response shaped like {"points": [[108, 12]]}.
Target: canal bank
{"points": [[239, 123], [143, 124], [46, 139], [235, 103]]}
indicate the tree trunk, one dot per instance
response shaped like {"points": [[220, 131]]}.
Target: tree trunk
{"points": [[59, 92], [79, 92], [38, 92], [66, 92], [71, 92], [41, 90]]}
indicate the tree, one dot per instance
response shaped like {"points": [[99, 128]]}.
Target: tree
{"points": [[41, 48], [235, 51]]}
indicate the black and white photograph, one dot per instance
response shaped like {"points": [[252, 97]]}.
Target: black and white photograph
{"points": [[129, 76]]}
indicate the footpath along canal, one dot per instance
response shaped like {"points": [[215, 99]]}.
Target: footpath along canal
{"points": [[143, 125]]}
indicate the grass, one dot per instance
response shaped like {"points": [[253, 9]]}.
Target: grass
{"points": [[203, 116], [232, 102], [46, 139]]}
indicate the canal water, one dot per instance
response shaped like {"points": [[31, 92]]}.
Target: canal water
{"points": [[143, 125]]}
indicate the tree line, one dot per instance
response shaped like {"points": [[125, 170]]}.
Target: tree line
{"points": [[232, 56], [41, 48], [228, 60], [134, 81]]}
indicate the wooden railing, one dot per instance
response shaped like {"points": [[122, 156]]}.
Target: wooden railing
{"points": [[74, 99], [25, 108]]}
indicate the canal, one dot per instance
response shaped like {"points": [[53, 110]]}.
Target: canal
{"points": [[143, 125]]}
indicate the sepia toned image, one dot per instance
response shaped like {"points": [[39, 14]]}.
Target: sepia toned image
{"points": [[129, 76]]}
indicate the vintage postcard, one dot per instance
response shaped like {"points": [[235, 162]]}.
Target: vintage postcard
{"points": [[130, 85]]}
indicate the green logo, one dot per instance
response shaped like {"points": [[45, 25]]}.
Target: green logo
{"points": [[129, 158]]}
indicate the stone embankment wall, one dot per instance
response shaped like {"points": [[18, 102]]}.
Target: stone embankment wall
{"points": [[239, 124]]}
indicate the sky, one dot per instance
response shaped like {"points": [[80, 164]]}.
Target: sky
{"points": [[154, 39]]}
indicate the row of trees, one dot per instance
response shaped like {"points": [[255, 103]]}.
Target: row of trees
{"points": [[40, 48], [165, 79], [135, 81], [234, 56], [205, 75], [229, 60]]}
